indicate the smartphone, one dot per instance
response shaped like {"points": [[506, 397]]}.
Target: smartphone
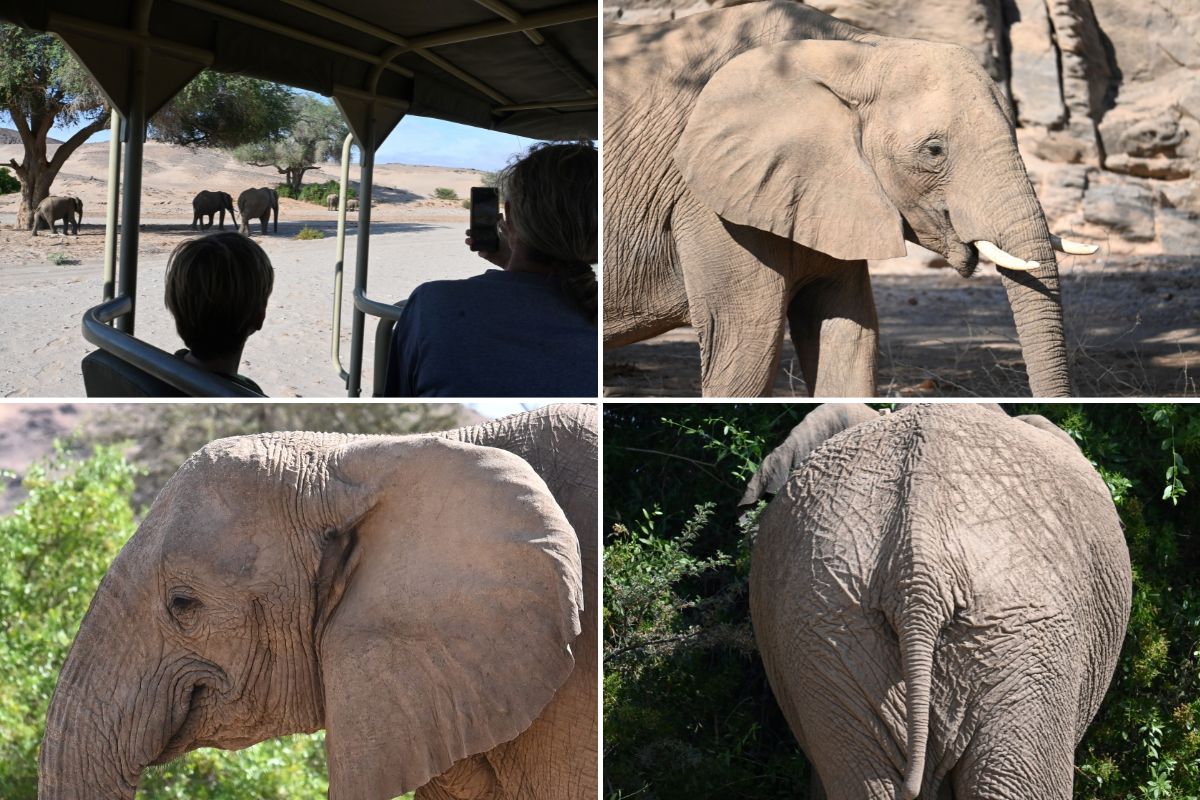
{"points": [[485, 213]]}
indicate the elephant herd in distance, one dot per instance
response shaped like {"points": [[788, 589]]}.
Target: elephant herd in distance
{"points": [[261, 204]]}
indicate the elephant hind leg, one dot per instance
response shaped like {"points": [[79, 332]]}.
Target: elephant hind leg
{"points": [[835, 330], [737, 295]]}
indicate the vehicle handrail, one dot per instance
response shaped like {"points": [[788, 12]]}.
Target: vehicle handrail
{"points": [[376, 308], [171, 369], [335, 341]]}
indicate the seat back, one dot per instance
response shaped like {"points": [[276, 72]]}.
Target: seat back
{"points": [[106, 375]]}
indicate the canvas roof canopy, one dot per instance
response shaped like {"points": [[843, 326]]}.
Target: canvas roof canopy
{"points": [[527, 67]]}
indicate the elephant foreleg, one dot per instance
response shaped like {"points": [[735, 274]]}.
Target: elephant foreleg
{"points": [[472, 778], [835, 330], [737, 290]]}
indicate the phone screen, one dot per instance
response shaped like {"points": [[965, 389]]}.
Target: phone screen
{"points": [[485, 213]]}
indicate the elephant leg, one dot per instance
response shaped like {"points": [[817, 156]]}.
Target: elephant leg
{"points": [[642, 301], [472, 778], [1010, 759], [835, 330], [222, 217], [737, 286]]}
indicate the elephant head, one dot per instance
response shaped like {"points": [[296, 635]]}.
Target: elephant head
{"points": [[822, 423], [852, 147], [414, 596]]}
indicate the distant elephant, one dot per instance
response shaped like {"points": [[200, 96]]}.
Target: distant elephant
{"points": [[421, 598], [757, 155], [939, 596], [331, 203], [56, 207], [210, 204], [258, 204]]}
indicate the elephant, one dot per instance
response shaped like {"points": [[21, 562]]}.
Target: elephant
{"points": [[939, 596], [425, 599], [56, 207], [258, 204], [757, 155], [210, 204], [331, 203]]}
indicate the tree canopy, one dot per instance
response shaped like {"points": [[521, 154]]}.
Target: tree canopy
{"points": [[225, 111], [43, 86], [688, 712], [314, 136]]}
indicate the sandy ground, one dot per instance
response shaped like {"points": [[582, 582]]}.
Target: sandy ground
{"points": [[415, 238], [1133, 325]]}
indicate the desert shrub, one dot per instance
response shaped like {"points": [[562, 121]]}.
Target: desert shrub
{"points": [[58, 259], [442, 193], [688, 712], [466, 204], [8, 183], [314, 192], [310, 233]]}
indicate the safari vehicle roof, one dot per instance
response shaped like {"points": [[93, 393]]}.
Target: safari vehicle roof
{"points": [[526, 67]]}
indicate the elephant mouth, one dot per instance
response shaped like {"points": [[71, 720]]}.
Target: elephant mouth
{"points": [[185, 735], [961, 255]]}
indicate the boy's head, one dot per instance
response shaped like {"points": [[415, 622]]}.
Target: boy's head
{"points": [[217, 290]]}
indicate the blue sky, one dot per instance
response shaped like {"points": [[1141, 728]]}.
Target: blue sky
{"points": [[416, 140]]}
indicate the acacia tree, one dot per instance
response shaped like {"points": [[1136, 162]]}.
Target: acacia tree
{"points": [[225, 111], [41, 85], [316, 134]]}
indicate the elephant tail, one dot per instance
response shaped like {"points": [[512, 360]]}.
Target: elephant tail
{"points": [[925, 611]]}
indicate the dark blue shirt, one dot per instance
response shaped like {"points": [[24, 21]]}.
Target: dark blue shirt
{"points": [[499, 334]]}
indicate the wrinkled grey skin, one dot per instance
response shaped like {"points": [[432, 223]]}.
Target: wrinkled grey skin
{"points": [[757, 155], [210, 204], [53, 208], [820, 424], [135, 688], [939, 596], [258, 204]]}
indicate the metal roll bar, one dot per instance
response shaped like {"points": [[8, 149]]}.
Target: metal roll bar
{"points": [[168, 368]]}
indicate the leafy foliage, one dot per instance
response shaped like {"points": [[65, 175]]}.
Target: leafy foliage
{"points": [[8, 184], [693, 716], [310, 233], [443, 193], [217, 109], [314, 135], [314, 192]]}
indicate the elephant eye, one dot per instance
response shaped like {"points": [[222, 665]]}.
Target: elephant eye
{"points": [[182, 603], [935, 148]]}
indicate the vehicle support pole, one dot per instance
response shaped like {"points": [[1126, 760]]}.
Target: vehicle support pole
{"points": [[366, 173], [131, 203], [335, 341], [114, 199]]}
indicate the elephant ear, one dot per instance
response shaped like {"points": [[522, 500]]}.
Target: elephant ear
{"points": [[770, 145], [453, 594], [821, 424]]}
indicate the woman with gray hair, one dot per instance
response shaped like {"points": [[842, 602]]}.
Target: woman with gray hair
{"points": [[525, 330]]}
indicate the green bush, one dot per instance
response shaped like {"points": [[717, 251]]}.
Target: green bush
{"points": [[688, 712], [314, 192], [54, 548], [310, 233], [466, 204], [8, 183], [442, 193], [58, 259]]}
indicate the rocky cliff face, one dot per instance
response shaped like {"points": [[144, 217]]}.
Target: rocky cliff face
{"points": [[1107, 95]]}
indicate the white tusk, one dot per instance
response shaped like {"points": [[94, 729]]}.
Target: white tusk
{"points": [[1003, 259], [1072, 248]]}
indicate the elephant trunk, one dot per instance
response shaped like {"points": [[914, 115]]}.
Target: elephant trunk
{"points": [[1012, 219], [118, 706]]}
